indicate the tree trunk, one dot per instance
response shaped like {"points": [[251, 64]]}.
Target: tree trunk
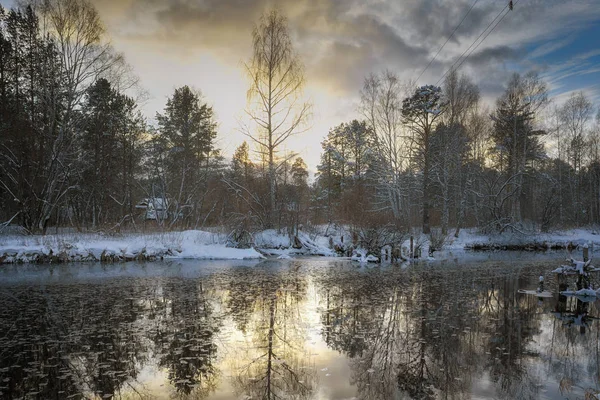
{"points": [[426, 227]]}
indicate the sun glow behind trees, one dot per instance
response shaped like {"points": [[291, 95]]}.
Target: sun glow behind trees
{"points": [[76, 151]]}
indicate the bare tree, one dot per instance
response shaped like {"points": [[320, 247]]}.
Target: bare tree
{"points": [[576, 114], [450, 144], [66, 53], [276, 108], [84, 55], [461, 95], [381, 105]]}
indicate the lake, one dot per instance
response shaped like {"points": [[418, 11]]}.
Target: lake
{"points": [[295, 329]]}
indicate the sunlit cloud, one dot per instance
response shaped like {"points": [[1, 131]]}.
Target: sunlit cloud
{"points": [[204, 44]]}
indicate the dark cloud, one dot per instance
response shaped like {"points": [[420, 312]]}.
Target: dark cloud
{"points": [[496, 54], [358, 45], [340, 41]]}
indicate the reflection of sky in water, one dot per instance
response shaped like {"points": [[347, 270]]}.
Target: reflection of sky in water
{"points": [[300, 329]]}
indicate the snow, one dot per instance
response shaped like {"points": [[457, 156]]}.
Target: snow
{"points": [[94, 247], [576, 267], [271, 239], [578, 237], [326, 240], [192, 247], [275, 243], [582, 293], [193, 244], [362, 257]]}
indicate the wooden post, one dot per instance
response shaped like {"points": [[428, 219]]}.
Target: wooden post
{"points": [[412, 254], [586, 255]]}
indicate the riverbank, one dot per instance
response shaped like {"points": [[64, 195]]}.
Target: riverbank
{"points": [[203, 245], [128, 247], [559, 240]]}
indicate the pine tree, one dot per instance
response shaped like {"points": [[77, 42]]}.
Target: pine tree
{"points": [[189, 129], [517, 142], [421, 113]]}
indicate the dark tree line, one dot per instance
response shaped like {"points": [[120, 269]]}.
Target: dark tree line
{"points": [[437, 157], [74, 148], [76, 151]]}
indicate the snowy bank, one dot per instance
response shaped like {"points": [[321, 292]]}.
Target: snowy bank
{"points": [[202, 245], [93, 247], [273, 243], [471, 240]]}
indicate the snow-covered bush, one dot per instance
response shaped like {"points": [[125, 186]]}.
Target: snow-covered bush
{"points": [[437, 240], [373, 239], [241, 228]]}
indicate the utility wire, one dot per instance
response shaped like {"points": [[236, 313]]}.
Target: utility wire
{"points": [[476, 40], [482, 40], [447, 40]]}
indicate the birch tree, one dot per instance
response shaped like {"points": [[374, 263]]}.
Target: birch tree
{"points": [[381, 105], [575, 116], [450, 145], [276, 108]]}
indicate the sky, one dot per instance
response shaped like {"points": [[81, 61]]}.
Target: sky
{"points": [[204, 43]]}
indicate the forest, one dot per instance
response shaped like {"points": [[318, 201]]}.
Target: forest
{"points": [[77, 152]]}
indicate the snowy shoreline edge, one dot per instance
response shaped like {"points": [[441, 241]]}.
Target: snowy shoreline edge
{"points": [[202, 245], [197, 245]]}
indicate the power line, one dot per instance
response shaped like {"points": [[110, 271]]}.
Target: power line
{"points": [[477, 39], [447, 40], [482, 40], [469, 48]]}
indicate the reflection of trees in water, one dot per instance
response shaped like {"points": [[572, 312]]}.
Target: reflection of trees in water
{"points": [[91, 339], [58, 342], [426, 331], [423, 332], [108, 340], [347, 312], [360, 318], [240, 303], [509, 323], [574, 347], [27, 365], [184, 337], [275, 363]]}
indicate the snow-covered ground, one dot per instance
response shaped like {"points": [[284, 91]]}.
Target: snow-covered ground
{"points": [[93, 247], [577, 237], [275, 243], [213, 246]]}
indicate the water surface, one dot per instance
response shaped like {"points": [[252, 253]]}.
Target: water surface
{"points": [[294, 329]]}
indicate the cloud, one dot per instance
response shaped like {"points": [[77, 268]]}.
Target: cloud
{"points": [[551, 47], [342, 41], [494, 55], [591, 92]]}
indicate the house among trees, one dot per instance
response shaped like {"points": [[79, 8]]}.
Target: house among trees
{"points": [[155, 208]]}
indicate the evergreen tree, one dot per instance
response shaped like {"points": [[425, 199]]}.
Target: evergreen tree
{"points": [[110, 146], [189, 131], [421, 113], [516, 141]]}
